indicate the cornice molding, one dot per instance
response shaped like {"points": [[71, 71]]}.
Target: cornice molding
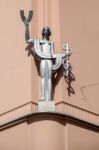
{"points": [[77, 112], [61, 108], [18, 112]]}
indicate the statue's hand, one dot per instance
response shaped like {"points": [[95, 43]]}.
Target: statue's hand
{"points": [[26, 23], [63, 55]]}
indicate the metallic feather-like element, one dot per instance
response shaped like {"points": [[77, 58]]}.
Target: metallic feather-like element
{"points": [[26, 22], [30, 16], [22, 15]]}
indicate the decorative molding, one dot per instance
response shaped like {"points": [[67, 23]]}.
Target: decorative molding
{"points": [[61, 107], [18, 112], [78, 113]]}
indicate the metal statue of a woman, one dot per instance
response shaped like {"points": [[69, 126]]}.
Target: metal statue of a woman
{"points": [[43, 51]]}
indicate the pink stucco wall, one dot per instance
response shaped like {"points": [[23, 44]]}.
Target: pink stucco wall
{"points": [[73, 21]]}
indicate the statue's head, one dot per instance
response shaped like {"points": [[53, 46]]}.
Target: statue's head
{"points": [[46, 33]]}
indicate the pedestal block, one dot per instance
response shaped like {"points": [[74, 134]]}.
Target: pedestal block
{"points": [[46, 106]]}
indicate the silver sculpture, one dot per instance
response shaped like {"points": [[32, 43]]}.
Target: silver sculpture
{"points": [[43, 51]]}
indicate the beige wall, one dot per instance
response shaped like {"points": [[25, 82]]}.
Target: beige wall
{"points": [[14, 138], [72, 21], [15, 66], [75, 22], [40, 133], [83, 139], [51, 134], [19, 79], [80, 27], [48, 134]]}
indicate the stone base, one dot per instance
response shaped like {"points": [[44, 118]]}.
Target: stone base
{"points": [[46, 106]]}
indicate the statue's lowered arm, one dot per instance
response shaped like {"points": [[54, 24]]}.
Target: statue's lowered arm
{"points": [[58, 62]]}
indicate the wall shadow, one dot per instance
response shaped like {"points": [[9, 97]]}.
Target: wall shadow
{"points": [[69, 79]]}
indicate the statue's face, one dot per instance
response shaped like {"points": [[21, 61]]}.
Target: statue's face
{"points": [[46, 32]]}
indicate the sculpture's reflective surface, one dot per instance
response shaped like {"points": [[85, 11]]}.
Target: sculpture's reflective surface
{"points": [[43, 51]]}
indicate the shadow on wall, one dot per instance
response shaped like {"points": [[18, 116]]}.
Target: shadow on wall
{"points": [[69, 79]]}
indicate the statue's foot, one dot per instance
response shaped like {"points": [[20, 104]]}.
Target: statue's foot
{"points": [[42, 99]]}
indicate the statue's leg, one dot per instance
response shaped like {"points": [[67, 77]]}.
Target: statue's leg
{"points": [[49, 79], [42, 74], [46, 81]]}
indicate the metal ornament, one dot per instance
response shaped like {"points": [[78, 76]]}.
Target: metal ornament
{"points": [[43, 51], [67, 66], [26, 22]]}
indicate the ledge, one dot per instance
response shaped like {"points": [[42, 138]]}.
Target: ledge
{"points": [[18, 112], [77, 112], [55, 116], [62, 108]]}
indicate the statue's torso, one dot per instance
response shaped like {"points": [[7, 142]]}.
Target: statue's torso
{"points": [[46, 47]]}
